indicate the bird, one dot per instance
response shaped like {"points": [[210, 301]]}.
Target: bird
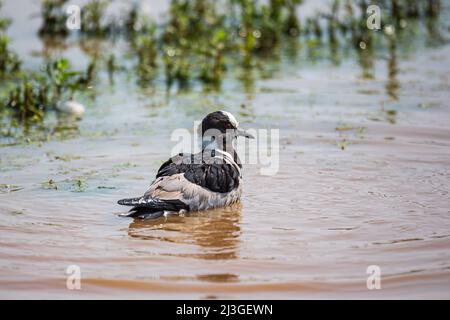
{"points": [[71, 107], [189, 182]]}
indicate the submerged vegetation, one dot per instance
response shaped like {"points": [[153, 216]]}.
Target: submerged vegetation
{"points": [[9, 61], [199, 42], [53, 18], [37, 93]]}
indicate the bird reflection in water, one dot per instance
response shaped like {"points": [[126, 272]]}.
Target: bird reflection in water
{"points": [[216, 232]]}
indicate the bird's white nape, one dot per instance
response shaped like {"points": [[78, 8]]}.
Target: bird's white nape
{"points": [[232, 119]]}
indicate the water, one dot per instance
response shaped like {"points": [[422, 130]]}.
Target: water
{"points": [[310, 231]]}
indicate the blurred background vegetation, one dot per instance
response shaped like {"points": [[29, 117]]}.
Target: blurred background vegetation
{"points": [[201, 43]]}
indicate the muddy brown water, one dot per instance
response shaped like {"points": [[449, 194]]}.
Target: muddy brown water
{"points": [[309, 231]]}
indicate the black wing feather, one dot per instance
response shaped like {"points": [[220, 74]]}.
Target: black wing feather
{"points": [[217, 177]]}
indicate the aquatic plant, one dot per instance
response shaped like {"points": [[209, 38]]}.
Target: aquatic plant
{"points": [[262, 26], [212, 64], [53, 18], [433, 7], [28, 100], [4, 22], [193, 42], [111, 67], [35, 93], [93, 18], [86, 78], [9, 61], [291, 24], [60, 77], [132, 23], [50, 185], [144, 46]]}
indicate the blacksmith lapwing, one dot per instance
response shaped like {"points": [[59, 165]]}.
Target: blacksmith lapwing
{"points": [[191, 182]]}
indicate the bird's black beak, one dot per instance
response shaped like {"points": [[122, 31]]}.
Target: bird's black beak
{"points": [[243, 133]]}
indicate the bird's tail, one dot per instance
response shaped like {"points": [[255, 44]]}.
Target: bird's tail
{"points": [[151, 208], [142, 213], [129, 201]]}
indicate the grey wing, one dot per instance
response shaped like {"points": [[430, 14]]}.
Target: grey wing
{"points": [[174, 187], [194, 196]]}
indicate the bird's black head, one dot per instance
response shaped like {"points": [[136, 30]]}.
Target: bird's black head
{"points": [[222, 122], [219, 129], [219, 120]]}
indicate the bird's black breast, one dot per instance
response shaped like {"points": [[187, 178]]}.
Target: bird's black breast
{"points": [[217, 177]]}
